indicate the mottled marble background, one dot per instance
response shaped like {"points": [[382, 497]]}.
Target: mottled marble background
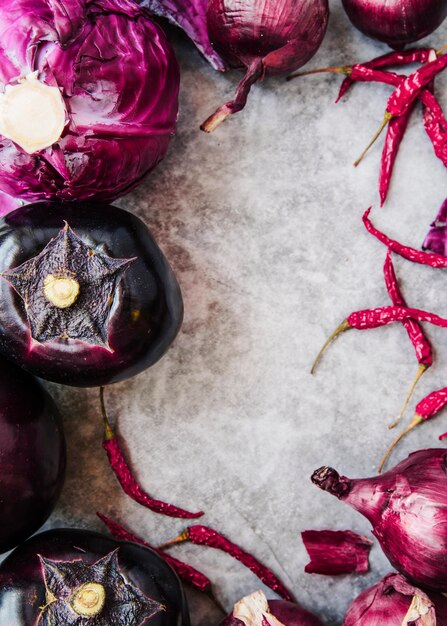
{"points": [[261, 223]]}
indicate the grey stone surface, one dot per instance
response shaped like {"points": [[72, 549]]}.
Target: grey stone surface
{"points": [[262, 223]]}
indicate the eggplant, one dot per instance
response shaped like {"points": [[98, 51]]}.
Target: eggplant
{"points": [[87, 298], [71, 577], [32, 455]]}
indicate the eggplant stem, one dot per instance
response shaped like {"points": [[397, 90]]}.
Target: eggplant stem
{"points": [[254, 71], [421, 369], [340, 329], [417, 419], [385, 121], [108, 430], [343, 69], [182, 538]]}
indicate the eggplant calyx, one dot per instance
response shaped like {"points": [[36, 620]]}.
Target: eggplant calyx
{"points": [[89, 600], [68, 290]]}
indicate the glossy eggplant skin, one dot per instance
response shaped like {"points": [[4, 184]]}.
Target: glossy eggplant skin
{"points": [[147, 310], [32, 455], [22, 589]]}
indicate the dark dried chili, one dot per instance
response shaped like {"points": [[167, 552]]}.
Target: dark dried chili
{"points": [[375, 318], [415, 332], [411, 254], [126, 479], [186, 572], [206, 536]]}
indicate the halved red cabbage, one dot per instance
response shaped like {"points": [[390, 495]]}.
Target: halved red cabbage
{"points": [[119, 80]]}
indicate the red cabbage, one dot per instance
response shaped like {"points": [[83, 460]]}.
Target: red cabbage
{"points": [[118, 81], [436, 239], [190, 15]]}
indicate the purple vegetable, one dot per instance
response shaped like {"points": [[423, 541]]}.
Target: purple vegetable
{"points": [[407, 507], [263, 37], [80, 578], [86, 296], [32, 455], [256, 610], [90, 98], [395, 602], [190, 15], [336, 552], [396, 22], [436, 239]]}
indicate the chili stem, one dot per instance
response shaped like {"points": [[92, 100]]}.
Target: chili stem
{"points": [[385, 121], [108, 430], [182, 538], [341, 329], [417, 419], [343, 69], [421, 370]]}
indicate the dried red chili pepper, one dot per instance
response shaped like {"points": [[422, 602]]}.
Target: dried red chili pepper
{"points": [[427, 408], [206, 536], [374, 318], [392, 59], [417, 336], [435, 124], [396, 131], [186, 572], [125, 477], [411, 254], [406, 93]]}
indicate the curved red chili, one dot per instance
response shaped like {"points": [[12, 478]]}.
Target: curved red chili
{"points": [[126, 479], [206, 536]]}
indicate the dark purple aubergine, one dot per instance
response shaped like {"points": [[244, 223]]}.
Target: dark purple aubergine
{"points": [[80, 578], [32, 455], [87, 297]]}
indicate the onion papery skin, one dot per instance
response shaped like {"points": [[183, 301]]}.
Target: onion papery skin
{"points": [[147, 309], [396, 22], [22, 589], [119, 80], [387, 604], [407, 507], [284, 34], [32, 455], [288, 613]]}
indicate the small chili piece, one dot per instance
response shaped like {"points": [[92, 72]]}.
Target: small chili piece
{"points": [[374, 318], [186, 572], [125, 477], [411, 254], [427, 408], [206, 536], [417, 336]]}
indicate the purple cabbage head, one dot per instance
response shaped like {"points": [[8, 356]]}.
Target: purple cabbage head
{"points": [[118, 83]]}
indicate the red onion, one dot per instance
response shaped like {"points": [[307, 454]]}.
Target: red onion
{"points": [[395, 602], [263, 37], [256, 610], [396, 22], [407, 507]]}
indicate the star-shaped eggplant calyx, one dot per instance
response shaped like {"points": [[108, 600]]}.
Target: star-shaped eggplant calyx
{"points": [[78, 594], [68, 290]]}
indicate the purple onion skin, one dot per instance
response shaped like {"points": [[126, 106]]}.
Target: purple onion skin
{"points": [[32, 455], [148, 287], [22, 591], [436, 239], [387, 604], [284, 34], [407, 507], [119, 79], [396, 22], [288, 613]]}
